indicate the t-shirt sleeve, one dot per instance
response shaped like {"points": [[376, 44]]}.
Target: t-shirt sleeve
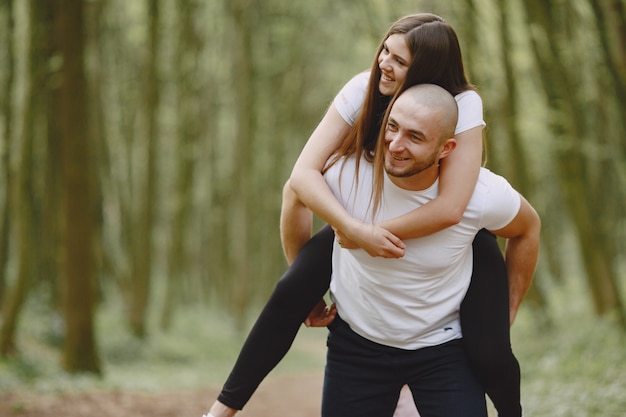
{"points": [[351, 97], [470, 111], [502, 202]]}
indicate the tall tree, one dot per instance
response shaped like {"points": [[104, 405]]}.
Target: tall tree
{"points": [[94, 12], [79, 204], [118, 109], [242, 15], [610, 18], [518, 167], [6, 107], [144, 220], [188, 128], [577, 171], [50, 229], [23, 184]]}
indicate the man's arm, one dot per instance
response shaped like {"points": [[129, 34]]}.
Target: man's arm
{"points": [[295, 230], [296, 221], [522, 252]]}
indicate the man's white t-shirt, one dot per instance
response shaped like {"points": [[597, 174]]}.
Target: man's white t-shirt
{"points": [[411, 302], [350, 98]]}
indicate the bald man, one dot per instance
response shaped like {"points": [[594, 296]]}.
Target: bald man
{"points": [[398, 319]]}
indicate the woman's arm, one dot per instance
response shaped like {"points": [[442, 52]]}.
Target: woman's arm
{"points": [[457, 179], [306, 177], [311, 189], [295, 217]]}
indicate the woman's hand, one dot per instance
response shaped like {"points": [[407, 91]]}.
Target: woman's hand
{"points": [[373, 239]]}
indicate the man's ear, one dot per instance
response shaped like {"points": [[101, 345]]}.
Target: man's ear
{"points": [[446, 147]]}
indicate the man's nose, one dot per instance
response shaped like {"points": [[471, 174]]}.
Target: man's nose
{"points": [[395, 142]]}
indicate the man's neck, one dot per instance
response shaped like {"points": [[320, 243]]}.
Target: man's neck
{"points": [[417, 182]]}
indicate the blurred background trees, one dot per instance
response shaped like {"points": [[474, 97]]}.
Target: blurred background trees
{"points": [[144, 144]]}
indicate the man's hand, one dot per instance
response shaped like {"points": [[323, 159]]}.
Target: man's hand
{"points": [[321, 315], [375, 240]]}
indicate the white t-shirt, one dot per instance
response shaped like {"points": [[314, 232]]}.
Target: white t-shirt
{"points": [[350, 98], [411, 302]]}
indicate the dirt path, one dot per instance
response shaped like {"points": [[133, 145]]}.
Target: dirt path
{"points": [[293, 396]]}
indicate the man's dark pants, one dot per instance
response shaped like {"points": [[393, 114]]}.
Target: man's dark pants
{"points": [[364, 378]]}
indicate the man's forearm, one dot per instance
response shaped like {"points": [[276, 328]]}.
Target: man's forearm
{"points": [[296, 222], [521, 260]]}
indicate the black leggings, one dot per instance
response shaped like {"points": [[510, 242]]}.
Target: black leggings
{"points": [[484, 320]]}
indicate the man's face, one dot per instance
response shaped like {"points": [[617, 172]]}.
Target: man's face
{"points": [[412, 144]]}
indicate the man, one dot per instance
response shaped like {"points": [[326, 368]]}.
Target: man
{"points": [[398, 319]]}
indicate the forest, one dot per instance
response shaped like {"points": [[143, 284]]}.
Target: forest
{"points": [[145, 144]]}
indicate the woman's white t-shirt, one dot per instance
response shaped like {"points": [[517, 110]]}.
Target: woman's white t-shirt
{"points": [[351, 97]]}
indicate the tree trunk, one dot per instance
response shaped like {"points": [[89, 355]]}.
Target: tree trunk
{"points": [[576, 171], [23, 213], [610, 16], [79, 263], [23, 185], [116, 123], [97, 129], [239, 256], [51, 227], [518, 172], [5, 140], [189, 119], [144, 221]]}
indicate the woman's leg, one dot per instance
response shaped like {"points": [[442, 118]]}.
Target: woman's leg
{"points": [[486, 330], [295, 295]]}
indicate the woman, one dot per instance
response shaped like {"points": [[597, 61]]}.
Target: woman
{"points": [[417, 49]]}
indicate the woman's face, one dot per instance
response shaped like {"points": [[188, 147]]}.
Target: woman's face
{"points": [[393, 62]]}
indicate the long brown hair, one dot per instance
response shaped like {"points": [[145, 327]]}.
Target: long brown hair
{"points": [[435, 59]]}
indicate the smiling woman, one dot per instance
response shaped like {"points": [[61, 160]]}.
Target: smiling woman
{"points": [[393, 61], [351, 126]]}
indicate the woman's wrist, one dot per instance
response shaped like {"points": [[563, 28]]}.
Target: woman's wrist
{"points": [[350, 226]]}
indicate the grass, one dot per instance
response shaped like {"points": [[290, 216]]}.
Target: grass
{"points": [[575, 366], [199, 351]]}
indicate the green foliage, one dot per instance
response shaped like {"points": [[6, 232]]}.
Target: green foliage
{"points": [[199, 351], [302, 52], [576, 365]]}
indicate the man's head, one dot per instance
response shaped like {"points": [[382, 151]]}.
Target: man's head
{"points": [[418, 132]]}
